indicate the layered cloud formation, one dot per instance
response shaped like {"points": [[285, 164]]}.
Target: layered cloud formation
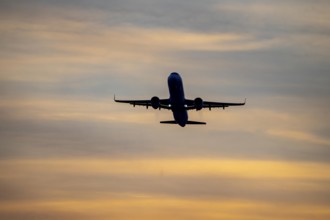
{"points": [[68, 152]]}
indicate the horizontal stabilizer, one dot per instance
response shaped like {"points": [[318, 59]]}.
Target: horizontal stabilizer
{"points": [[196, 123], [188, 122], [168, 122]]}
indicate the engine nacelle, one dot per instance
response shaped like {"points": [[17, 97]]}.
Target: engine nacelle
{"points": [[155, 103], [198, 102]]}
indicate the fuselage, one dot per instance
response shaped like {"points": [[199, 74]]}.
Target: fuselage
{"points": [[177, 99]]}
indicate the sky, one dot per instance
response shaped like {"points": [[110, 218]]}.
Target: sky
{"points": [[67, 151]]}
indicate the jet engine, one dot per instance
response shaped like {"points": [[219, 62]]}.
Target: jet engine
{"points": [[198, 102], [155, 103]]}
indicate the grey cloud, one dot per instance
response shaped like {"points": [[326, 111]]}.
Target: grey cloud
{"points": [[206, 16], [47, 59], [258, 75], [35, 138]]}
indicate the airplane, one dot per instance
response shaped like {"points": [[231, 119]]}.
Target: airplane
{"points": [[178, 103]]}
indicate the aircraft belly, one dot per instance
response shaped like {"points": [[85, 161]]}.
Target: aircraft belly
{"points": [[181, 117]]}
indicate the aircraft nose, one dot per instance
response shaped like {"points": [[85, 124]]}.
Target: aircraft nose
{"points": [[175, 75]]}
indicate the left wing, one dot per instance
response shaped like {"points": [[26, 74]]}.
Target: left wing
{"points": [[191, 104], [154, 102]]}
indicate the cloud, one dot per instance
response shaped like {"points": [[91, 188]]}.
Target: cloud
{"points": [[66, 46], [81, 47], [68, 151], [178, 167], [167, 208], [300, 136], [281, 12], [71, 127], [89, 186]]}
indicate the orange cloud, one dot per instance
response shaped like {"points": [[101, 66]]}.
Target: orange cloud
{"points": [[181, 167], [163, 208]]}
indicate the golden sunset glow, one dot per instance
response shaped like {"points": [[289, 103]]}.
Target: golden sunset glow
{"points": [[68, 151], [165, 174], [177, 167]]}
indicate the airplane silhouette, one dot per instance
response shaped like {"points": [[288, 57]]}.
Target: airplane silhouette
{"points": [[178, 103]]}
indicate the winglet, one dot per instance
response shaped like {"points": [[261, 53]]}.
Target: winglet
{"points": [[114, 97]]}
